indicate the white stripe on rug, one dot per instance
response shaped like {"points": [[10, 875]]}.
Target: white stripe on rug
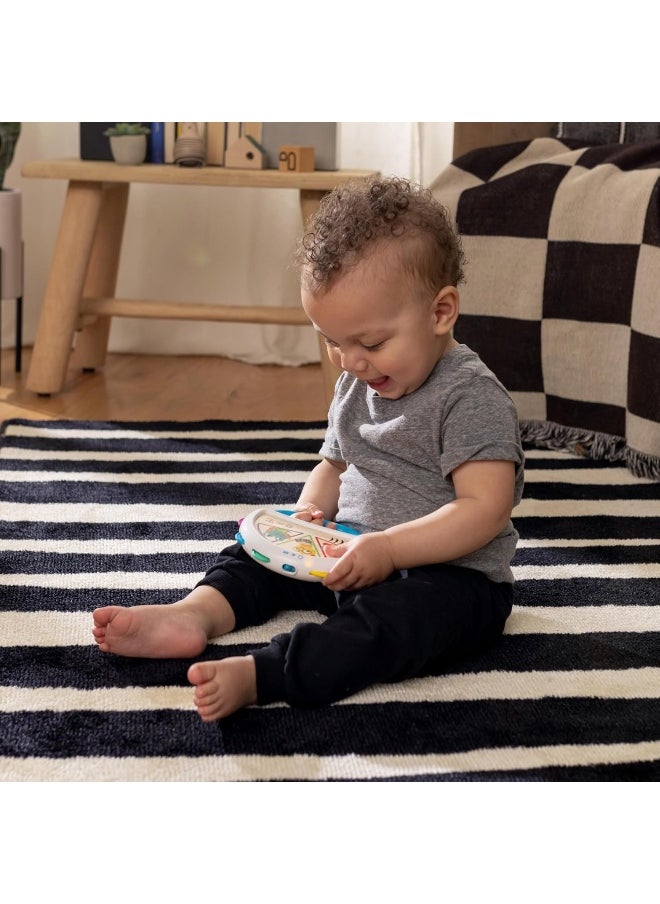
{"points": [[577, 508], [112, 546], [537, 543], [165, 580], [590, 476], [60, 629], [80, 512], [214, 477], [571, 570], [553, 455], [100, 512], [228, 476], [17, 453], [56, 629], [624, 684], [305, 767], [107, 580], [115, 547]]}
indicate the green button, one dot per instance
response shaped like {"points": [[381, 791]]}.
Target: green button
{"points": [[259, 556]]}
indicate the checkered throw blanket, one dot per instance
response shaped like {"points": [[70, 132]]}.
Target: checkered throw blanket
{"points": [[562, 296]]}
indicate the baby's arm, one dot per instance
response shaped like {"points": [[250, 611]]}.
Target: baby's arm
{"points": [[319, 498], [481, 510]]}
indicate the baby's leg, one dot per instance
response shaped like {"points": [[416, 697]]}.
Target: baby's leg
{"points": [[179, 630], [223, 686], [388, 632]]}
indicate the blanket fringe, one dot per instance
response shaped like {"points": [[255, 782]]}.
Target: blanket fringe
{"points": [[590, 444]]}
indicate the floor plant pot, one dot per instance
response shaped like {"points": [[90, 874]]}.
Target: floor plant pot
{"points": [[128, 149], [11, 260]]}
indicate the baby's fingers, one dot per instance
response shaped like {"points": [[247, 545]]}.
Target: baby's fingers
{"points": [[309, 513], [336, 578]]}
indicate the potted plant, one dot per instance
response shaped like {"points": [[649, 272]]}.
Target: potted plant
{"points": [[128, 142], [11, 235]]}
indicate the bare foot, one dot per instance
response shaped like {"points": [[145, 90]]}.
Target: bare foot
{"points": [[223, 686], [179, 629], [157, 632]]}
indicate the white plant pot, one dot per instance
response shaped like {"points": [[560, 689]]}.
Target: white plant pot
{"points": [[11, 235], [128, 149]]}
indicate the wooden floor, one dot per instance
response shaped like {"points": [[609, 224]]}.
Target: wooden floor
{"points": [[159, 387]]}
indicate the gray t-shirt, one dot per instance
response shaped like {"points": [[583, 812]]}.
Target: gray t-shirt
{"points": [[400, 453]]}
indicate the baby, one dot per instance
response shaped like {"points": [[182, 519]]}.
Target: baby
{"points": [[422, 455]]}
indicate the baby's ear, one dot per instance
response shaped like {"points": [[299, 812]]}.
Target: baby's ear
{"points": [[445, 309]]}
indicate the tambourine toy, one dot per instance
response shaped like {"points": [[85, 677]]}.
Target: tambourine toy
{"points": [[290, 546]]}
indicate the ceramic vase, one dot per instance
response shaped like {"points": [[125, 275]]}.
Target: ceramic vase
{"points": [[128, 149]]}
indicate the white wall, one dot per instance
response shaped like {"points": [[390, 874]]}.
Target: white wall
{"points": [[206, 244]]}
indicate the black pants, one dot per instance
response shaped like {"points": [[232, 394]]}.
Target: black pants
{"points": [[388, 632]]}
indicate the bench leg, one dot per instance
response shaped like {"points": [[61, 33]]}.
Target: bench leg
{"points": [[60, 308], [92, 340]]}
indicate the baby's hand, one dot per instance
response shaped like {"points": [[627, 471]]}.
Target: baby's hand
{"points": [[309, 511], [364, 561]]}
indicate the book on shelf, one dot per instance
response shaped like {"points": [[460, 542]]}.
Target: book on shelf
{"points": [[169, 137], [94, 145], [157, 142]]}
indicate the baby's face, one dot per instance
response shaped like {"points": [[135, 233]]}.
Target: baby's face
{"points": [[378, 327]]}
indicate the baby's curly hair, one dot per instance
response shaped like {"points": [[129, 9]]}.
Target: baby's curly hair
{"points": [[355, 218]]}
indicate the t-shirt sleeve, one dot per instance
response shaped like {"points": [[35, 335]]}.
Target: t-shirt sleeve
{"points": [[481, 424], [330, 448]]}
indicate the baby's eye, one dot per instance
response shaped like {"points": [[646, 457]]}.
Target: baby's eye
{"points": [[374, 347], [329, 342]]}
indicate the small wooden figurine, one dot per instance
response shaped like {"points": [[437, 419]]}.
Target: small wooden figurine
{"points": [[296, 159], [245, 153]]}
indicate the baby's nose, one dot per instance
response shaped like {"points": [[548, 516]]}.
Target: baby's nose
{"points": [[354, 362]]}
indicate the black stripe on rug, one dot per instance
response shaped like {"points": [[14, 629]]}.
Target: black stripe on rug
{"points": [[81, 667], [392, 729]]}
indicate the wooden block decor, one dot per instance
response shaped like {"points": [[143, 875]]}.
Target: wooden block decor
{"points": [[294, 158], [215, 143], [245, 153]]}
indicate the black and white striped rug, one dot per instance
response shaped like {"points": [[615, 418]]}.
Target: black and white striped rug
{"points": [[98, 513]]}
